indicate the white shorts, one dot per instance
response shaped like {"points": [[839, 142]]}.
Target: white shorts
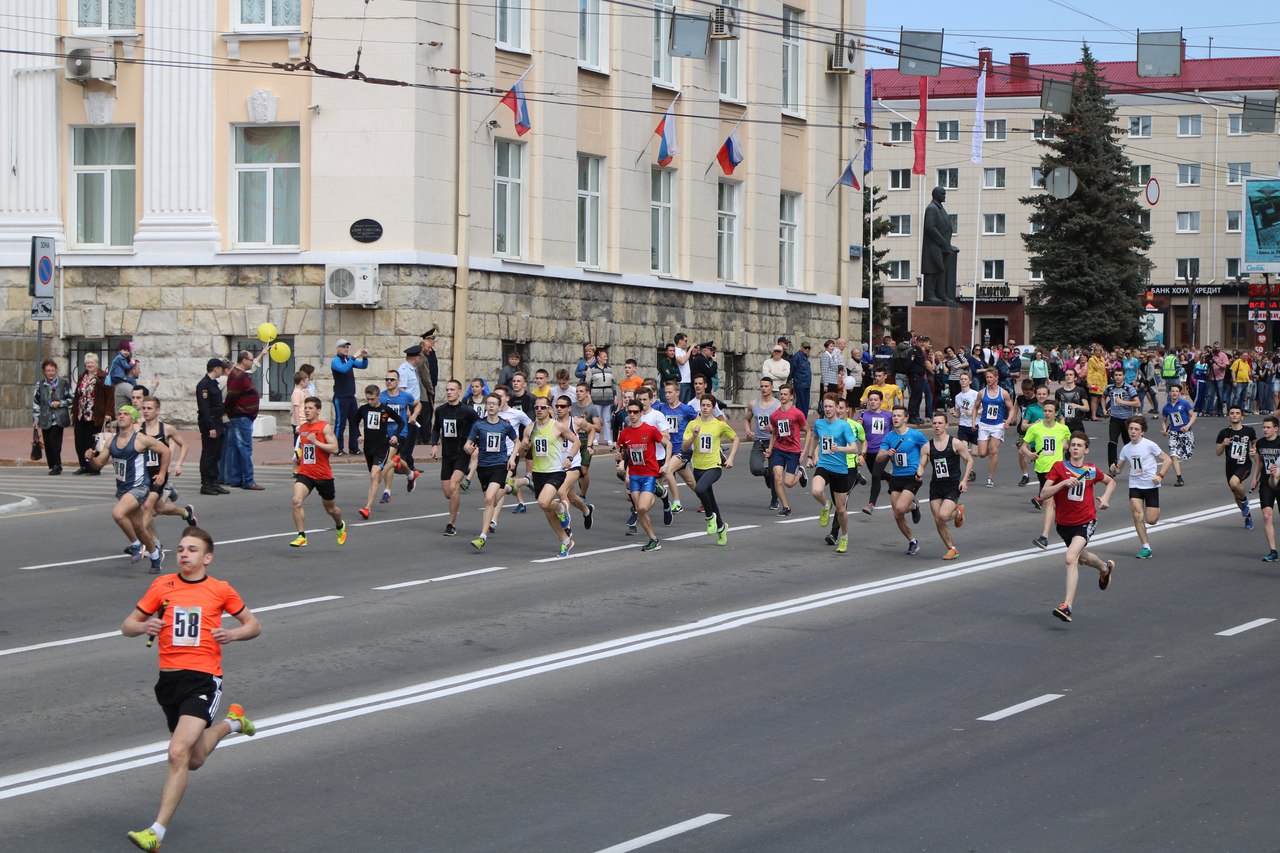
{"points": [[986, 431]]}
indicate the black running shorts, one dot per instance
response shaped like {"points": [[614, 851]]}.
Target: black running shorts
{"points": [[186, 693]]}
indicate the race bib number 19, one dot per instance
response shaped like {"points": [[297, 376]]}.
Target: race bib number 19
{"points": [[705, 442]]}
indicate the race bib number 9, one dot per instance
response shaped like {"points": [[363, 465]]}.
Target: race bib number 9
{"points": [[900, 459], [186, 626], [706, 443], [492, 442]]}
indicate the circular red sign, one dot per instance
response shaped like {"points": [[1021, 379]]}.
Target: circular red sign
{"points": [[1153, 192]]}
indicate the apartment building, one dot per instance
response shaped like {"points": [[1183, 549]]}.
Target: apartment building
{"points": [[1184, 132], [207, 165]]}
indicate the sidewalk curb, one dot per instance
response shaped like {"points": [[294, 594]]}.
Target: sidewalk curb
{"points": [[19, 506]]}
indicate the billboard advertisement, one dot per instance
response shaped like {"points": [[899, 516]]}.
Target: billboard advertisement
{"points": [[1262, 225], [1151, 329]]}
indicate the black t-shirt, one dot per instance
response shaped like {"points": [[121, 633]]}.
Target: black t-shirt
{"points": [[1071, 404], [524, 403], [374, 421], [1238, 452], [1268, 453], [451, 426]]}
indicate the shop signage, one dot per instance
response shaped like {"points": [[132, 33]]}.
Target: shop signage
{"points": [[1202, 289], [992, 291]]}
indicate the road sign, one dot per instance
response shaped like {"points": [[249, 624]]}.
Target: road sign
{"points": [[42, 308], [1260, 327], [1259, 350], [44, 260]]}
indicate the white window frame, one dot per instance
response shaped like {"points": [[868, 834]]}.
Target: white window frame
{"points": [[593, 37], [949, 178], [1188, 268], [1143, 173], [505, 186], [899, 179], [1139, 127], [662, 215], [1238, 216], [790, 240], [1190, 125], [728, 230], [993, 270], [899, 270], [993, 178], [995, 130], [663, 67], [954, 219], [1040, 129], [511, 25], [900, 131], [102, 25], [1035, 275], [1188, 222], [993, 224], [268, 24], [1232, 274], [948, 131], [589, 234], [1235, 125], [1237, 172], [729, 62], [1144, 220], [899, 225], [1188, 174], [107, 171], [238, 169], [1034, 228], [793, 67], [1037, 178]]}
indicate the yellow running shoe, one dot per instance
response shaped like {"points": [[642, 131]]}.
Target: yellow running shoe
{"points": [[247, 728], [824, 516], [342, 534], [145, 839], [842, 546], [300, 541], [722, 535]]}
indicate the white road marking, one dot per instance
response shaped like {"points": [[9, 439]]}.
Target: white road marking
{"points": [[575, 554], [1240, 629], [662, 834], [799, 520], [1022, 706], [695, 534], [291, 604], [442, 578]]}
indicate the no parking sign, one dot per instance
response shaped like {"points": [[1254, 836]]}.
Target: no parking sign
{"points": [[44, 260]]}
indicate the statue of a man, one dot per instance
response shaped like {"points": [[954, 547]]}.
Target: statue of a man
{"points": [[938, 258]]}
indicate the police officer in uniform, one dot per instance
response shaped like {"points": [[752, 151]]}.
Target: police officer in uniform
{"points": [[212, 429], [428, 369]]}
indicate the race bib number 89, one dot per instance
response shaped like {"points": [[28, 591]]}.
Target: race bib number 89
{"points": [[540, 446]]}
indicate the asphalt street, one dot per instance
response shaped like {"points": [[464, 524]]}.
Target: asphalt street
{"points": [[770, 695]]}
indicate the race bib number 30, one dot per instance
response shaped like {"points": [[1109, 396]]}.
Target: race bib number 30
{"points": [[187, 626], [784, 429]]}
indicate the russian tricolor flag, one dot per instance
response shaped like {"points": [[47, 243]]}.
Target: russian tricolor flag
{"points": [[730, 154], [519, 107], [848, 178], [668, 148]]}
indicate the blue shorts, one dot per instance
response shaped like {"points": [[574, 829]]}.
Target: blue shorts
{"points": [[788, 460], [637, 483]]}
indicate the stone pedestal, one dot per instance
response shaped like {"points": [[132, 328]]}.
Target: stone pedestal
{"points": [[942, 325]]}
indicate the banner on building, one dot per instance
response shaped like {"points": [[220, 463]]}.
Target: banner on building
{"points": [[1262, 225]]}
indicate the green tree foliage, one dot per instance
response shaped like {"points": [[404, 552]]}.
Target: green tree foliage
{"points": [[1089, 246], [873, 234]]}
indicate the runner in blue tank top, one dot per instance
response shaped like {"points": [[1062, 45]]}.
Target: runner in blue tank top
{"points": [[994, 412], [127, 451]]}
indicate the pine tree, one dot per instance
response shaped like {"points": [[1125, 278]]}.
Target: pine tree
{"points": [[873, 233], [1089, 246]]}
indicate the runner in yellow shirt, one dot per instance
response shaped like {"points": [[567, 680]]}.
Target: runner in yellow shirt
{"points": [[704, 436]]}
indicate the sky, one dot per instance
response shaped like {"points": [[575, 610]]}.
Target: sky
{"points": [[1052, 30]]}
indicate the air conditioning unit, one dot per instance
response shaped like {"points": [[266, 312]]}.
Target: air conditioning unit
{"points": [[89, 60], [843, 57], [352, 284], [722, 21]]}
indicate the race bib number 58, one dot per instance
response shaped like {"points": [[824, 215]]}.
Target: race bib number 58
{"points": [[187, 626]]}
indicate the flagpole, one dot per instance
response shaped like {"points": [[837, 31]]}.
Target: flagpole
{"points": [[731, 132], [499, 103], [649, 141], [870, 184], [977, 255]]}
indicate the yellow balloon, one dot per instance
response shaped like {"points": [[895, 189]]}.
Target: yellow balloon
{"points": [[280, 352], [267, 333]]}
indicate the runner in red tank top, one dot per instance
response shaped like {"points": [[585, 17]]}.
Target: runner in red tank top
{"points": [[312, 472]]}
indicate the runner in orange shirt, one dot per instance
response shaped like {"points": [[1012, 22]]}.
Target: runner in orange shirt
{"points": [[185, 611], [314, 444]]}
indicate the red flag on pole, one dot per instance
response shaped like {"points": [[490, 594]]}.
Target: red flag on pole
{"points": [[922, 125]]}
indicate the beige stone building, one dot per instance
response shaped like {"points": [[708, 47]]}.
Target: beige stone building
{"points": [[1185, 132], [200, 178]]}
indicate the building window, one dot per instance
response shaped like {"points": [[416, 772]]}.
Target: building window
{"points": [[996, 130], [273, 379], [948, 131], [993, 179], [789, 242], [1037, 177], [949, 179], [1233, 268], [899, 225], [591, 35], [1139, 127], [1188, 268], [954, 219], [664, 67], [268, 185], [993, 270], [1040, 129], [589, 218], [1189, 125], [1143, 220], [899, 179], [271, 13], [105, 180], [81, 347], [899, 270], [1034, 274], [661, 221], [508, 199], [1188, 221], [993, 223], [727, 230], [1237, 172], [1235, 125], [792, 60], [512, 25], [1139, 175], [899, 131], [1233, 221], [731, 62], [118, 16], [1034, 227], [1188, 174]]}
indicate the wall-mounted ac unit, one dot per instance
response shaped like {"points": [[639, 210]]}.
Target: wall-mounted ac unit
{"points": [[843, 57], [352, 284], [723, 19], [89, 60]]}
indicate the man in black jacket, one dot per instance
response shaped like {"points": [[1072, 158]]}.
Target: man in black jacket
{"points": [[703, 363], [209, 419]]}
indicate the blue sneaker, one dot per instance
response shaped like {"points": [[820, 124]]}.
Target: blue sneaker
{"points": [[1271, 557], [667, 515], [519, 508], [631, 519], [565, 547], [563, 517], [135, 553], [1248, 522]]}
